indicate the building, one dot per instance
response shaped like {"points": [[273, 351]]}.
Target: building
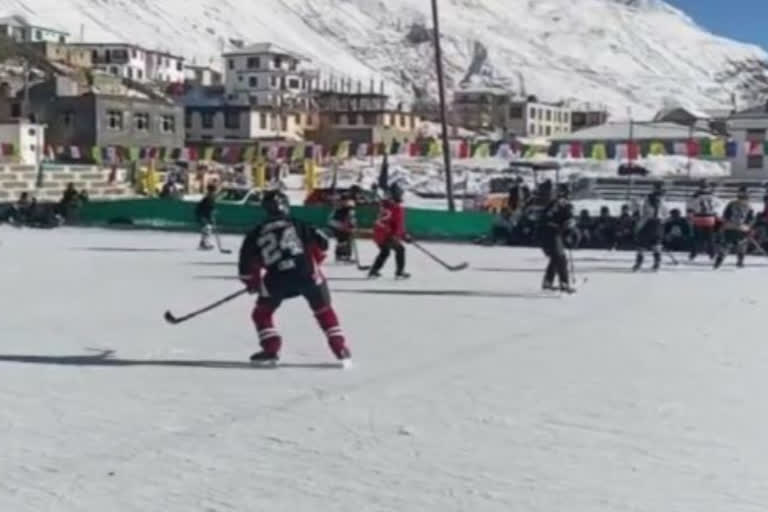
{"points": [[625, 131], [135, 63], [64, 53], [748, 128], [494, 109], [582, 118], [360, 117], [20, 30], [104, 113], [202, 75], [27, 138], [211, 116], [715, 120], [264, 74]]}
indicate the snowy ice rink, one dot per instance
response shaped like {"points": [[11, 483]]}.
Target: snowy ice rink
{"points": [[644, 392]]}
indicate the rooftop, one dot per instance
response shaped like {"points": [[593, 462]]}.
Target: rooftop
{"points": [[264, 48], [127, 45], [22, 21], [756, 111], [640, 130]]}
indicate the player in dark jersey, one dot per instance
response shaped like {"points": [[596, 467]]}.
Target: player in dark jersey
{"points": [[343, 223], [205, 212], [280, 259], [738, 218], [650, 228], [389, 234], [556, 219]]}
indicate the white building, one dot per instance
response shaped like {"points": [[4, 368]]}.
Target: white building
{"points": [[264, 74], [20, 30], [202, 75], [28, 138], [135, 62], [748, 128]]}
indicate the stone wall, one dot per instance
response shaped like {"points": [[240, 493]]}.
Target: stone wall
{"points": [[15, 179]]}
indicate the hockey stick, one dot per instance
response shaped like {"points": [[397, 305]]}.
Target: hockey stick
{"points": [[672, 258], [452, 268], [757, 245], [360, 267], [174, 320], [218, 241]]}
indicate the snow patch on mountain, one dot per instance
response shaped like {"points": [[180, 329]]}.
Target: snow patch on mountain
{"points": [[618, 53]]}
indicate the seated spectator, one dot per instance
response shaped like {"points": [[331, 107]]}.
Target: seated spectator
{"points": [[604, 232], [584, 226], [677, 232], [625, 228]]}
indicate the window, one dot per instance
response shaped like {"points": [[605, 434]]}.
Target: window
{"points": [[239, 78], [62, 39], [278, 62], [179, 66], [253, 81], [113, 70], [297, 119], [565, 117], [402, 120], [273, 81], [548, 131], [188, 121], [548, 115], [515, 111], [231, 63], [168, 124], [141, 121], [68, 118], [754, 161], [293, 83], [115, 120], [139, 74], [254, 63], [263, 121], [207, 120], [38, 35], [32, 132], [532, 112], [130, 72], [133, 53], [232, 120], [532, 129]]}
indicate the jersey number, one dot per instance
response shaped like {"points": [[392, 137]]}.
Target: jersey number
{"points": [[274, 249]]}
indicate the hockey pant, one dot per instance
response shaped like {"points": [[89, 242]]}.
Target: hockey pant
{"points": [[733, 239], [649, 238], [319, 300], [384, 250], [703, 236], [554, 247], [343, 245]]}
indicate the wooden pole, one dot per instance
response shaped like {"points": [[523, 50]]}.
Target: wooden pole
{"points": [[443, 122]]}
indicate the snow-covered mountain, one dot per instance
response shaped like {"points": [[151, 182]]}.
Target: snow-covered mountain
{"points": [[620, 53]]}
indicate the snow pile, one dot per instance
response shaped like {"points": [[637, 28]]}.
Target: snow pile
{"points": [[617, 53]]}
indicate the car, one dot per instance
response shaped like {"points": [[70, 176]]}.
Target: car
{"points": [[325, 196], [239, 195]]}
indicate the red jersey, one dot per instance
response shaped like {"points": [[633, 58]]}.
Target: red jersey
{"points": [[391, 222]]}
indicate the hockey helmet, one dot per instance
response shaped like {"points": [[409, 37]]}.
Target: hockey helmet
{"points": [[276, 203], [396, 192]]}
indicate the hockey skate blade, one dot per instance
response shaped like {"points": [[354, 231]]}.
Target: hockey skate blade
{"points": [[345, 364], [268, 365]]}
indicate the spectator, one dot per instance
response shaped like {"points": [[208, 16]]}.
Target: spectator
{"points": [[584, 227], [625, 229], [605, 229], [677, 232]]}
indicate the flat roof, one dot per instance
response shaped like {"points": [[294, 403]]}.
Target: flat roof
{"points": [[640, 130], [264, 48], [127, 45]]}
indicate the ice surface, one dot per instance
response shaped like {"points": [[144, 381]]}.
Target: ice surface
{"points": [[644, 392]]}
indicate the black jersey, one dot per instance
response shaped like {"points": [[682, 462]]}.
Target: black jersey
{"points": [[285, 248], [205, 209], [738, 213], [556, 216]]}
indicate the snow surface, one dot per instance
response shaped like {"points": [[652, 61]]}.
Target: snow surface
{"points": [[616, 53], [641, 393]]}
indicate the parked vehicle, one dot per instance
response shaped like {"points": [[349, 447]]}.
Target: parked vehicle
{"points": [[325, 196]]}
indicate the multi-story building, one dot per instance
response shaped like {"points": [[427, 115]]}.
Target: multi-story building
{"points": [[264, 74], [202, 75], [65, 53], [495, 109], [20, 30], [361, 117], [748, 128], [136, 63], [587, 117], [104, 113], [212, 116]]}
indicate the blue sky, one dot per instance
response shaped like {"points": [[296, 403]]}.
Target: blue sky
{"points": [[744, 20]]}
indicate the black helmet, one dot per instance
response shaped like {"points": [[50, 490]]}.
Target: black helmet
{"points": [[396, 192], [276, 203], [563, 190]]}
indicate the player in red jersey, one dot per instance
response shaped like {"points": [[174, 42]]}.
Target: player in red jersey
{"points": [[279, 260], [389, 233]]}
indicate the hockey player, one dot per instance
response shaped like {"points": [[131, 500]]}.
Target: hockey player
{"points": [[650, 228], [205, 212], [389, 234], [343, 223], [280, 259], [737, 221], [701, 210], [555, 220]]}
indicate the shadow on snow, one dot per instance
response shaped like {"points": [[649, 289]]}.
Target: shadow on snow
{"points": [[105, 359]]}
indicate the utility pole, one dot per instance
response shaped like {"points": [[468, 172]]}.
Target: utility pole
{"points": [[443, 122]]}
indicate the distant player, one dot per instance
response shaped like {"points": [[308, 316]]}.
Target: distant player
{"points": [[703, 216], [555, 220], [389, 234], [343, 223], [280, 259], [205, 212], [650, 228], [737, 224]]}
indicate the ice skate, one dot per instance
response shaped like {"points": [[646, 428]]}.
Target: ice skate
{"points": [[265, 359]]}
